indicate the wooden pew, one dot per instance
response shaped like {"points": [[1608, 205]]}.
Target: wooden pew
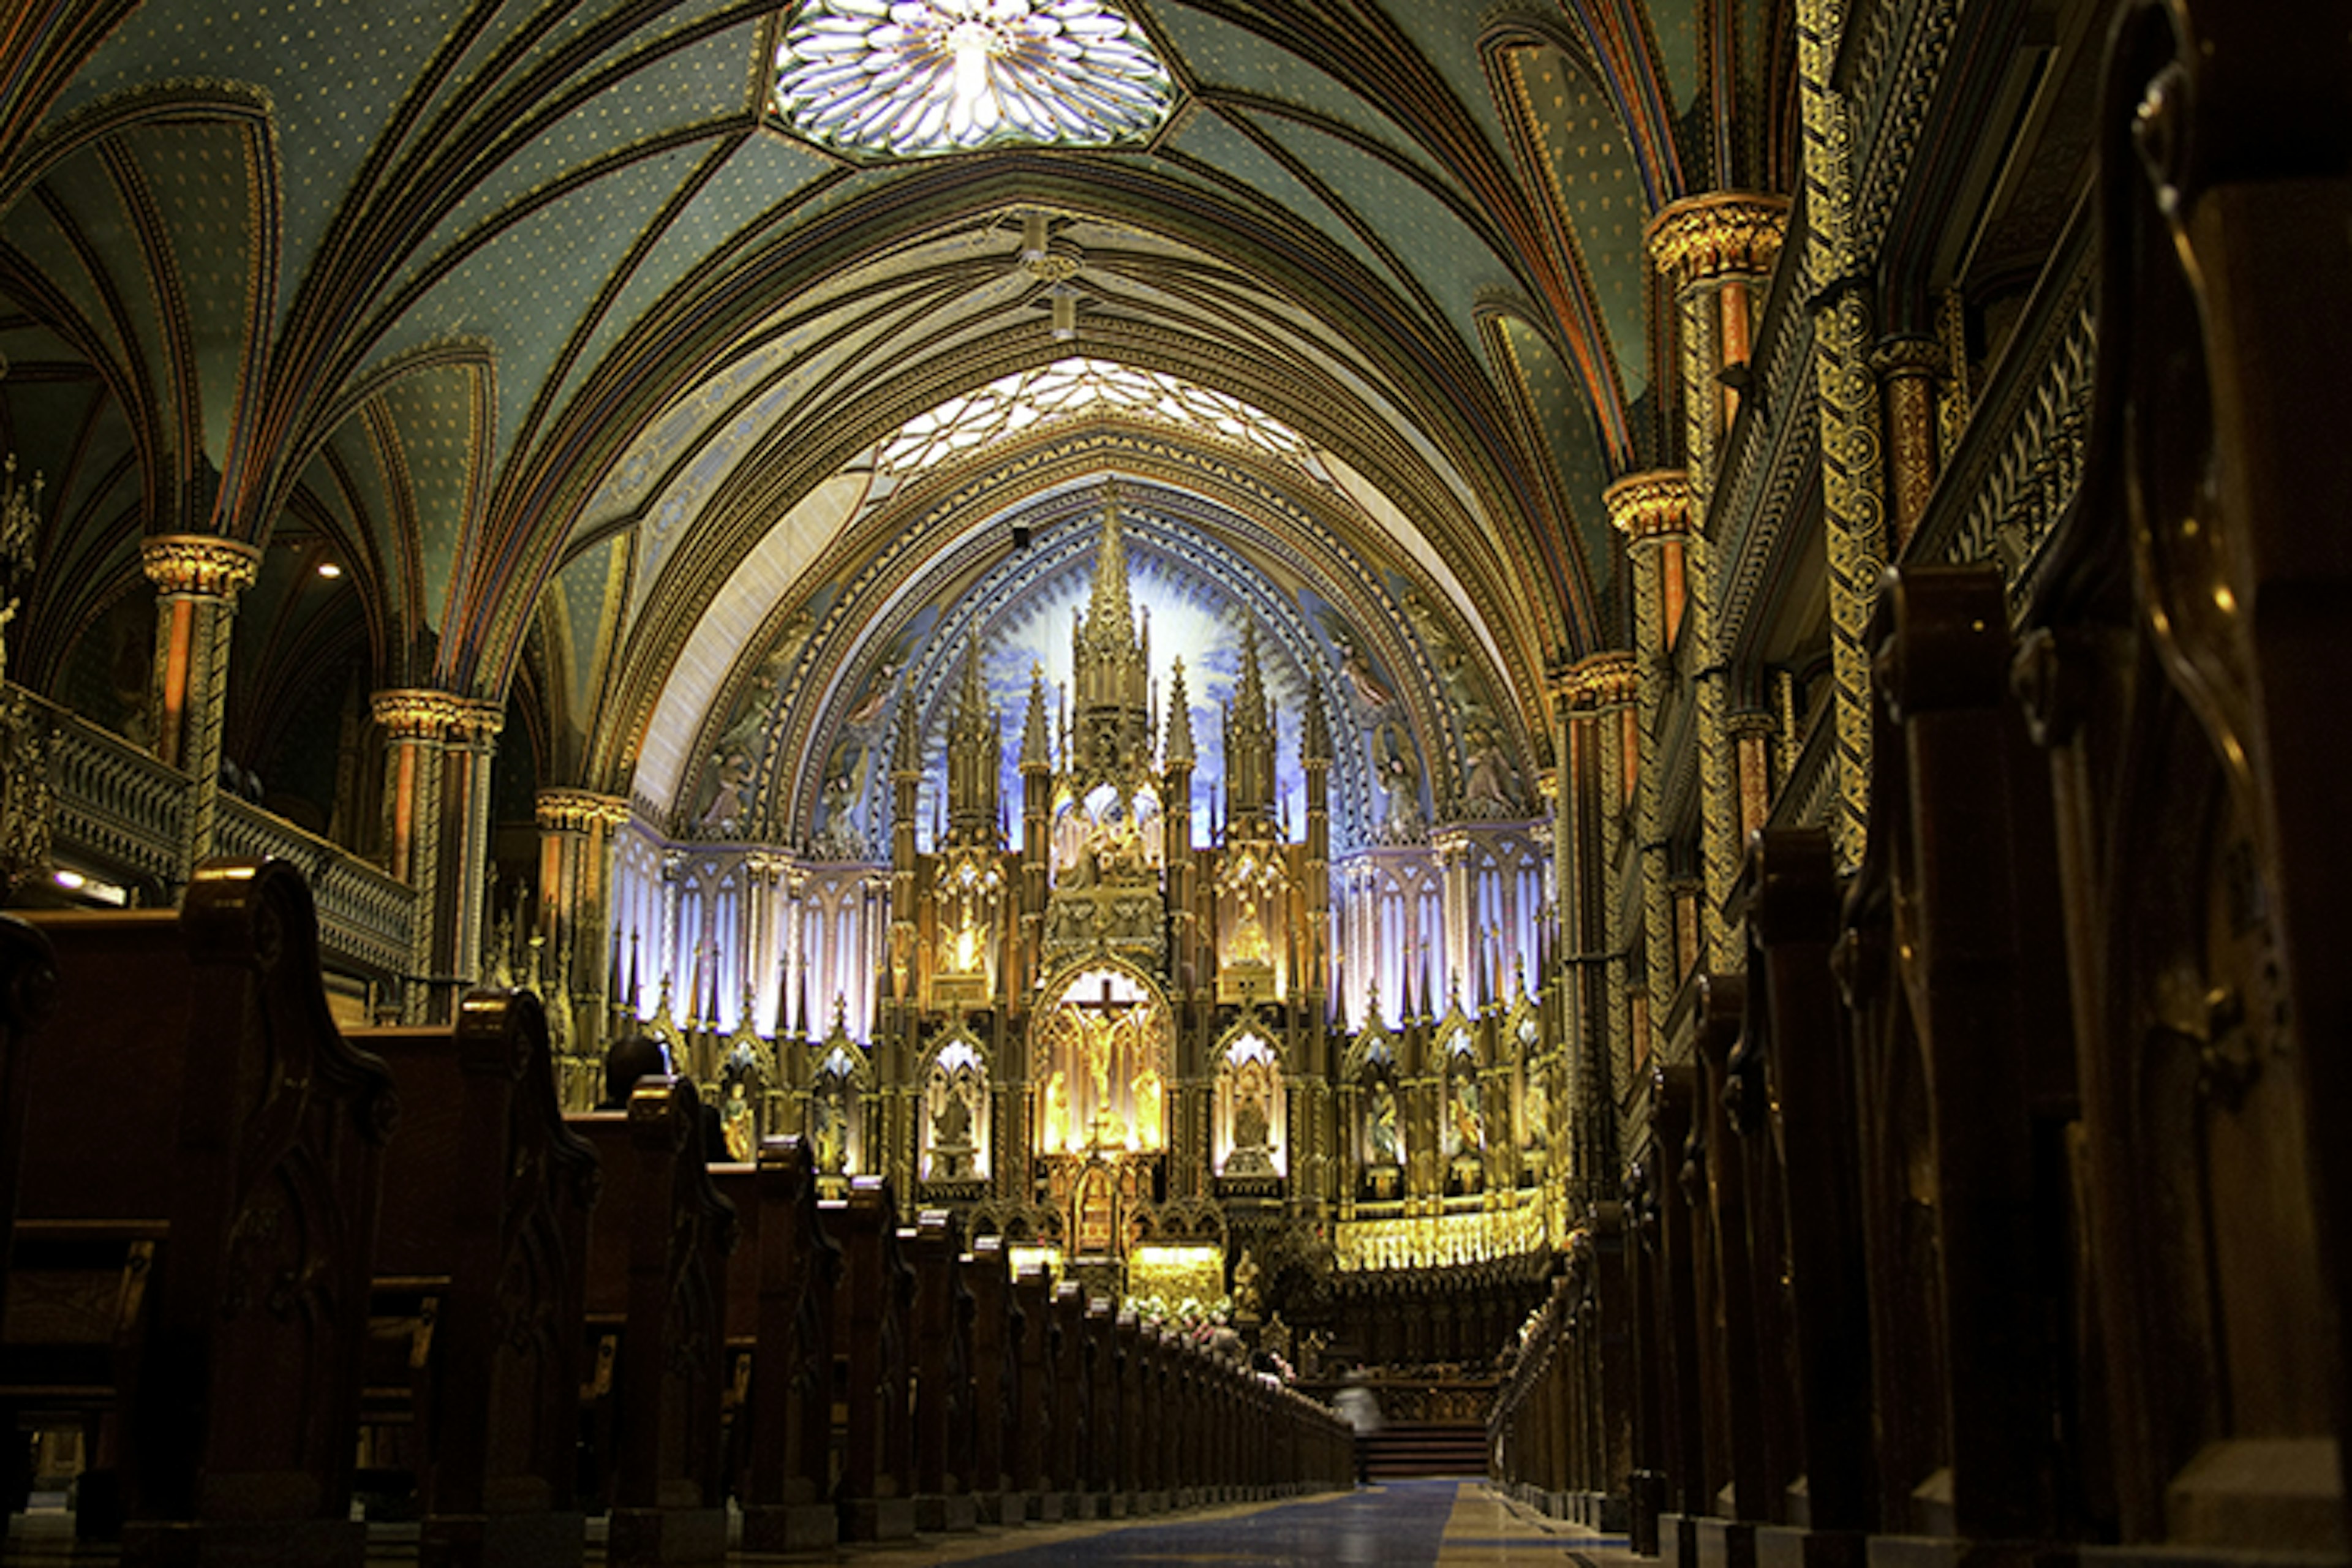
{"points": [[2182, 665], [997, 1330], [1795, 1111], [199, 1231], [944, 1414], [875, 1300], [29, 986], [656, 1313], [1105, 1477], [781, 1283], [481, 1261], [1072, 1391], [1040, 1395]]}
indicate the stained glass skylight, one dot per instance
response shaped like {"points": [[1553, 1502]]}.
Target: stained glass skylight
{"points": [[915, 77], [1071, 388]]}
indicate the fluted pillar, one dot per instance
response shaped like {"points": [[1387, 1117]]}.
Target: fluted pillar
{"points": [[197, 579], [1653, 510]]}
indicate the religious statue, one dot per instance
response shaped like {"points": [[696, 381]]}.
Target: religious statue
{"points": [[829, 1135], [738, 1124], [1400, 780], [1538, 1132], [1491, 786], [951, 1133], [1384, 1126], [1246, 1300], [1151, 1098], [1469, 1127], [726, 808], [1056, 1118], [1250, 1121]]}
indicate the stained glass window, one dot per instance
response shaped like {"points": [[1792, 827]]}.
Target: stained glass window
{"points": [[915, 77], [1071, 388]]}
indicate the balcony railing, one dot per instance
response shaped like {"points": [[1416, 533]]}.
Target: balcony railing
{"points": [[120, 810]]}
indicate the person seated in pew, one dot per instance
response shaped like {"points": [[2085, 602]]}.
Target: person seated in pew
{"points": [[627, 1059]]}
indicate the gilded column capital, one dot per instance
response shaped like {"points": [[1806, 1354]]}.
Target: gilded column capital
{"points": [[579, 810], [478, 722], [1907, 354], [1751, 721], [1703, 238], [417, 714], [202, 565], [1604, 681], [1652, 505]]}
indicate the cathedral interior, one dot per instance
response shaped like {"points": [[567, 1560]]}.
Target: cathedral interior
{"points": [[1169, 622]]}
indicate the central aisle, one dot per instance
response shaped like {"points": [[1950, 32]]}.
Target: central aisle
{"points": [[1449, 1523]]}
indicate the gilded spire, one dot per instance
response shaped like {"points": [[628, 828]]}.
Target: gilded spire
{"points": [[1036, 728], [1110, 611], [1313, 735], [1249, 740], [1181, 753], [974, 754]]}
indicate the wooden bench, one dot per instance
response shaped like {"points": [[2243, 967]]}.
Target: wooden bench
{"points": [[481, 1258], [876, 1295], [944, 1410], [655, 1316], [997, 1327], [782, 1285], [195, 1222]]}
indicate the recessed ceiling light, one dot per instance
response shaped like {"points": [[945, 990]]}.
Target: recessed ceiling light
{"points": [[329, 569]]}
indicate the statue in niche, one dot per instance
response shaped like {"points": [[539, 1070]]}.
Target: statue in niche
{"points": [[1057, 1119], [1469, 1125], [951, 1133], [1381, 1126], [1491, 785], [1536, 1133], [738, 1124], [1150, 1100], [1246, 1300], [1400, 778], [829, 1130]]}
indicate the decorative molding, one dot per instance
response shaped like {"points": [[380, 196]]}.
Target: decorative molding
{"points": [[1701, 239], [418, 714], [579, 810], [1652, 505], [199, 564]]}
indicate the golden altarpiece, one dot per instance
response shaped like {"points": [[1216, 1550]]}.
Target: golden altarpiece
{"points": [[1139, 1055]]}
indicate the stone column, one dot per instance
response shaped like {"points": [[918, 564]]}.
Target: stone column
{"points": [[1908, 367], [1653, 510], [1715, 251], [1598, 695], [1853, 504], [1751, 733], [473, 748], [575, 876], [416, 725], [197, 578]]}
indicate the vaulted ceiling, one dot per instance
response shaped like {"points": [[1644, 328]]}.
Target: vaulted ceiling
{"points": [[539, 321]]}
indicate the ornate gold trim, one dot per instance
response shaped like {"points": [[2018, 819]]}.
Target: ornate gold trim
{"points": [[1604, 681], [202, 564], [417, 714], [579, 810], [1650, 505], [1702, 238]]}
